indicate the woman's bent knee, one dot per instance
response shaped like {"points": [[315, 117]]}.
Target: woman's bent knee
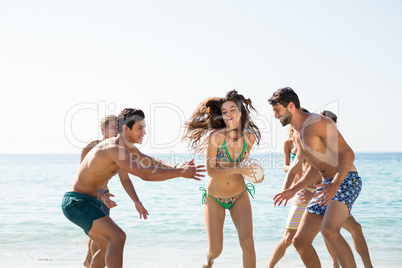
{"points": [[247, 244], [287, 239], [214, 253], [356, 230]]}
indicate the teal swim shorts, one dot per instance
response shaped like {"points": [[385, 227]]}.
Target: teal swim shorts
{"points": [[82, 209]]}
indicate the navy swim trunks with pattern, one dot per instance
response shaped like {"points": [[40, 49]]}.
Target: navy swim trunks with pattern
{"points": [[347, 193]]}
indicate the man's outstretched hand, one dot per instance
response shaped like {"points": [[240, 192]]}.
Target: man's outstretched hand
{"points": [[191, 171], [283, 196]]}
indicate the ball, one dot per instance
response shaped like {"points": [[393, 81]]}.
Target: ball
{"points": [[259, 170]]}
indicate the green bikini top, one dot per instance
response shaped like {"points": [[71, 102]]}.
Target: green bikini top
{"points": [[223, 152], [292, 156]]}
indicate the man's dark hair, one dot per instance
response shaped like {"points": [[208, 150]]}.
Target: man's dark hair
{"points": [[330, 115], [304, 110], [284, 96], [128, 117]]}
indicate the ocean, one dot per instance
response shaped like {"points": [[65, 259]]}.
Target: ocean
{"points": [[35, 233]]}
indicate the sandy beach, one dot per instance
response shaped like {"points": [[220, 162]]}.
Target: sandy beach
{"points": [[67, 264]]}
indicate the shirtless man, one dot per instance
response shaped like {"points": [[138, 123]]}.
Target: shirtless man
{"points": [[319, 141], [108, 126], [299, 201], [81, 205], [351, 225]]}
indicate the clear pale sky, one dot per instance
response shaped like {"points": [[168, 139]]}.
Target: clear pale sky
{"points": [[66, 64]]}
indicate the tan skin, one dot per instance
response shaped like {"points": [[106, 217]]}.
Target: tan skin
{"points": [[320, 143], [226, 180], [359, 241], [351, 225], [280, 249], [108, 131], [288, 148], [101, 164]]}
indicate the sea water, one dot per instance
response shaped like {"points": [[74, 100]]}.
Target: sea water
{"points": [[34, 229]]}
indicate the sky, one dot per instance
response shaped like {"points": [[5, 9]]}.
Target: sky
{"points": [[66, 64]]}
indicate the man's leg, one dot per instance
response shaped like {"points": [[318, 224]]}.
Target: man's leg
{"points": [[94, 248], [355, 229], [309, 227], [281, 247], [335, 216], [214, 217], [105, 229], [88, 258], [98, 255], [242, 218]]}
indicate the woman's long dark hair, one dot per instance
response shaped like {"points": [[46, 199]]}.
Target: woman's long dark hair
{"points": [[207, 118]]}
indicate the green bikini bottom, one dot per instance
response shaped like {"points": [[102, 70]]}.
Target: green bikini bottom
{"points": [[227, 203]]}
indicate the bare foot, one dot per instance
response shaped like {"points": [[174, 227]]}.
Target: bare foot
{"points": [[208, 264]]}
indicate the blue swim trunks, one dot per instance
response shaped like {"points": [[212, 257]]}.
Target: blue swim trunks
{"points": [[82, 209], [347, 193]]}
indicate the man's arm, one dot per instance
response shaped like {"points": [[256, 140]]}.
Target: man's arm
{"points": [[151, 161], [130, 190], [287, 193], [286, 155], [123, 158], [310, 177], [148, 160], [295, 168], [336, 143]]}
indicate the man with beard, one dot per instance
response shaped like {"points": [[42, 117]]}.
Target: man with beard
{"points": [[318, 141]]}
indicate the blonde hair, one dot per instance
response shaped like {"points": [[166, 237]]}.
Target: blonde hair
{"points": [[105, 121], [291, 131]]}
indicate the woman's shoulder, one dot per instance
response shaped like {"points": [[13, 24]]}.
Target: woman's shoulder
{"points": [[288, 144], [249, 135], [217, 136]]}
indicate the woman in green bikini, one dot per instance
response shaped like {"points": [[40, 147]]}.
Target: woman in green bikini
{"points": [[224, 128]]}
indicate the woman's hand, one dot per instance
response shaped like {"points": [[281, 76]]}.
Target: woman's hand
{"points": [[306, 195]]}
